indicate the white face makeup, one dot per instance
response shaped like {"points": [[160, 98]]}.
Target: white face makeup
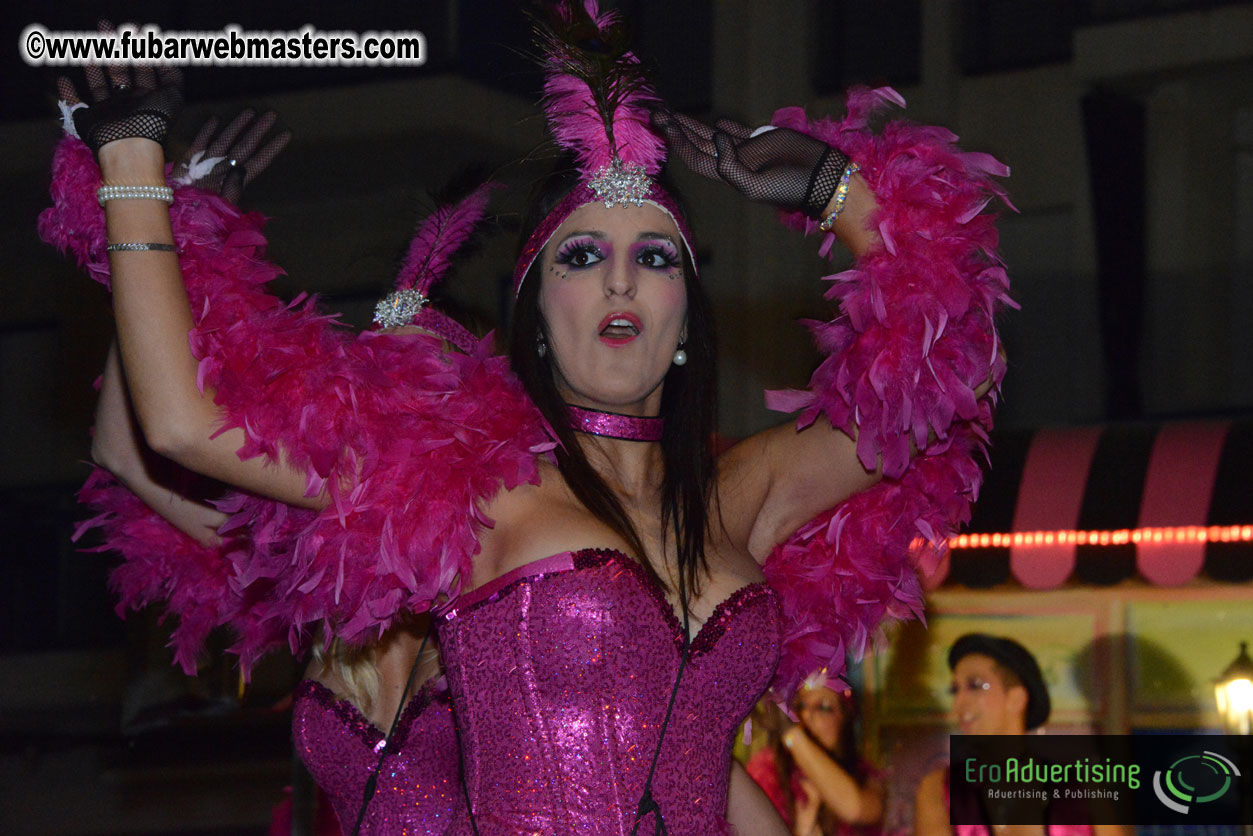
{"points": [[982, 702], [613, 296]]}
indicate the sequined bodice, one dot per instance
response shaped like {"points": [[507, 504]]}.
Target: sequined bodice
{"points": [[561, 673], [418, 792]]}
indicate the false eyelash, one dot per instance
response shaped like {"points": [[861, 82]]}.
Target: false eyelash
{"points": [[571, 249], [669, 255]]}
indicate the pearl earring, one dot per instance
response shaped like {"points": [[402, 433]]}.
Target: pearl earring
{"points": [[680, 357], [541, 347]]}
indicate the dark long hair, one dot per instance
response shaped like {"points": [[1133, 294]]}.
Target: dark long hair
{"points": [[846, 754], [688, 404]]}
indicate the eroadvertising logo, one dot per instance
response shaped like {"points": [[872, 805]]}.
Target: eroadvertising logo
{"points": [[1195, 779], [1081, 779]]}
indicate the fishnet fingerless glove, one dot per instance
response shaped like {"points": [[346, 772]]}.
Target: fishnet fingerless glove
{"points": [[148, 114]]}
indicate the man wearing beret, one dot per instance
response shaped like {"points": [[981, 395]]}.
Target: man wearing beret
{"points": [[997, 689]]}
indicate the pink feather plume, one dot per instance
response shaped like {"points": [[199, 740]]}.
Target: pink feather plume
{"points": [[438, 238], [596, 97]]}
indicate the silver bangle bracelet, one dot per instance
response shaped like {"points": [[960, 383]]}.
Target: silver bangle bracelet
{"points": [[129, 247], [106, 193]]}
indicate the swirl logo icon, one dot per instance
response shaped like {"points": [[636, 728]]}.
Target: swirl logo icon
{"points": [[1194, 779]]}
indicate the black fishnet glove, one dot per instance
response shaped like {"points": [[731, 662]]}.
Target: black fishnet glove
{"points": [[128, 102], [781, 167], [238, 150]]}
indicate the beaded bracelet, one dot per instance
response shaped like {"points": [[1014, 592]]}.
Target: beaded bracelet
{"points": [[841, 195], [107, 193]]}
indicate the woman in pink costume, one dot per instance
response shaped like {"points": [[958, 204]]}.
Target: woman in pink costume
{"points": [[149, 508], [611, 601], [813, 772], [350, 695]]}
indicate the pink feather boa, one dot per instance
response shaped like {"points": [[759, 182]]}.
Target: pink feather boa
{"points": [[162, 564], [408, 439], [914, 339]]}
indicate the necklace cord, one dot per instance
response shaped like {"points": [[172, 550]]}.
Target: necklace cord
{"points": [[648, 804], [371, 783]]}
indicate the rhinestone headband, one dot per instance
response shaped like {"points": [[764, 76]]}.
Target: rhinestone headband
{"points": [[583, 194], [621, 182]]}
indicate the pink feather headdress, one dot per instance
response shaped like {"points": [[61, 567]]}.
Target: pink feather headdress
{"points": [[430, 254], [597, 103]]}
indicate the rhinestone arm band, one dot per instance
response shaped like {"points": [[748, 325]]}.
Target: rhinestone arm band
{"points": [[106, 193], [133, 247], [841, 195]]}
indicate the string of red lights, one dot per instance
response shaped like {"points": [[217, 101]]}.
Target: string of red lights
{"points": [[1118, 537]]}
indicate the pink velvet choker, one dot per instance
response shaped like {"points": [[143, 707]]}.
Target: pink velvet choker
{"points": [[614, 425]]}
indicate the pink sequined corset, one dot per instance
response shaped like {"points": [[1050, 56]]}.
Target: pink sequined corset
{"points": [[561, 672], [418, 793]]}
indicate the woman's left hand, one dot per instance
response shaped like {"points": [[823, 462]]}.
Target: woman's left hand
{"points": [[778, 166], [226, 161]]}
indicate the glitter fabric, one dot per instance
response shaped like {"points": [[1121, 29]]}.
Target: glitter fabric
{"points": [[560, 673], [418, 792], [615, 425]]}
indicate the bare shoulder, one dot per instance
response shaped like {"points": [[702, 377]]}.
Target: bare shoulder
{"points": [[531, 522]]}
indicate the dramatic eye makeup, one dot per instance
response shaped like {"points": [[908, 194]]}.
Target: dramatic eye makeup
{"points": [[581, 251], [974, 684], [655, 253]]}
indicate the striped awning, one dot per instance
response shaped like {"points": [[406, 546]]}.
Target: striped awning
{"points": [[1096, 505]]}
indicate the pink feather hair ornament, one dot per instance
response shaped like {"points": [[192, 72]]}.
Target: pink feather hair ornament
{"points": [[597, 101], [437, 239]]}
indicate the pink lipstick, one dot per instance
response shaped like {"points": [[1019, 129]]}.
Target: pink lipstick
{"points": [[619, 328]]}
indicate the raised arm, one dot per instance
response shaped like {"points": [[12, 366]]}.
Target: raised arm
{"points": [[844, 507], [400, 440], [179, 420], [852, 803], [125, 127], [777, 480]]}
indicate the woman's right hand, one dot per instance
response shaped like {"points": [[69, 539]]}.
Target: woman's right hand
{"points": [[127, 102]]}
